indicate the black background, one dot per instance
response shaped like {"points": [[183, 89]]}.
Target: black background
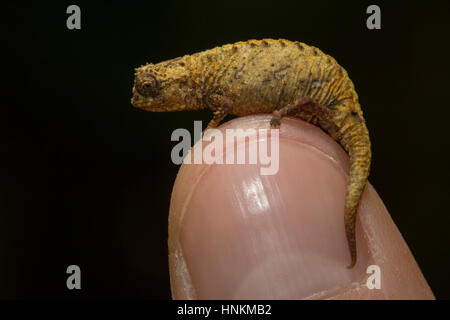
{"points": [[85, 178]]}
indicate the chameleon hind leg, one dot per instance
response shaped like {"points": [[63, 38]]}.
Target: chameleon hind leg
{"points": [[287, 110]]}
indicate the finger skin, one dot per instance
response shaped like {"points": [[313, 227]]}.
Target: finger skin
{"points": [[320, 163]]}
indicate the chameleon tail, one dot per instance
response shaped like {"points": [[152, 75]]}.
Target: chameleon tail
{"points": [[355, 139]]}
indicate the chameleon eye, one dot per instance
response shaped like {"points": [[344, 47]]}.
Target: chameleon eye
{"points": [[148, 87]]}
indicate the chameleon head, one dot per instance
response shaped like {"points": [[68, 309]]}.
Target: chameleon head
{"points": [[159, 87]]}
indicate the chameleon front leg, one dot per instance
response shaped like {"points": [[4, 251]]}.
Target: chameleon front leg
{"points": [[289, 109], [222, 105]]}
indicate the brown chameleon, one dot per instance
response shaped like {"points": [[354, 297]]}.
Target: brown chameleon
{"points": [[267, 76]]}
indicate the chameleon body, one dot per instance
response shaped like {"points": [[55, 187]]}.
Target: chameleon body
{"points": [[267, 76]]}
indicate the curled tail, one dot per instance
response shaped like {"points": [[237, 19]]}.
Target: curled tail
{"points": [[355, 140]]}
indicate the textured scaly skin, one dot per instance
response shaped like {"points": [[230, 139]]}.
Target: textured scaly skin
{"points": [[260, 76]]}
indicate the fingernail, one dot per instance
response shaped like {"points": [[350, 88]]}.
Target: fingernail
{"points": [[243, 235]]}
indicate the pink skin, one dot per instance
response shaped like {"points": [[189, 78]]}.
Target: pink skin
{"points": [[234, 234]]}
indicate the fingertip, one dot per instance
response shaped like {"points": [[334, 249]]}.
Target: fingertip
{"points": [[234, 234]]}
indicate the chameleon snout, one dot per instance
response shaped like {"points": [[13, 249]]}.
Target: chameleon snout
{"points": [[136, 98], [140, 101]]}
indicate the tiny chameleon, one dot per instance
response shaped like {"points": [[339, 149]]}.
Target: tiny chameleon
{"points": [[267, 76]]}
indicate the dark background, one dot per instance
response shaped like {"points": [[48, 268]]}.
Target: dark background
{"points": [[85, 178]]}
